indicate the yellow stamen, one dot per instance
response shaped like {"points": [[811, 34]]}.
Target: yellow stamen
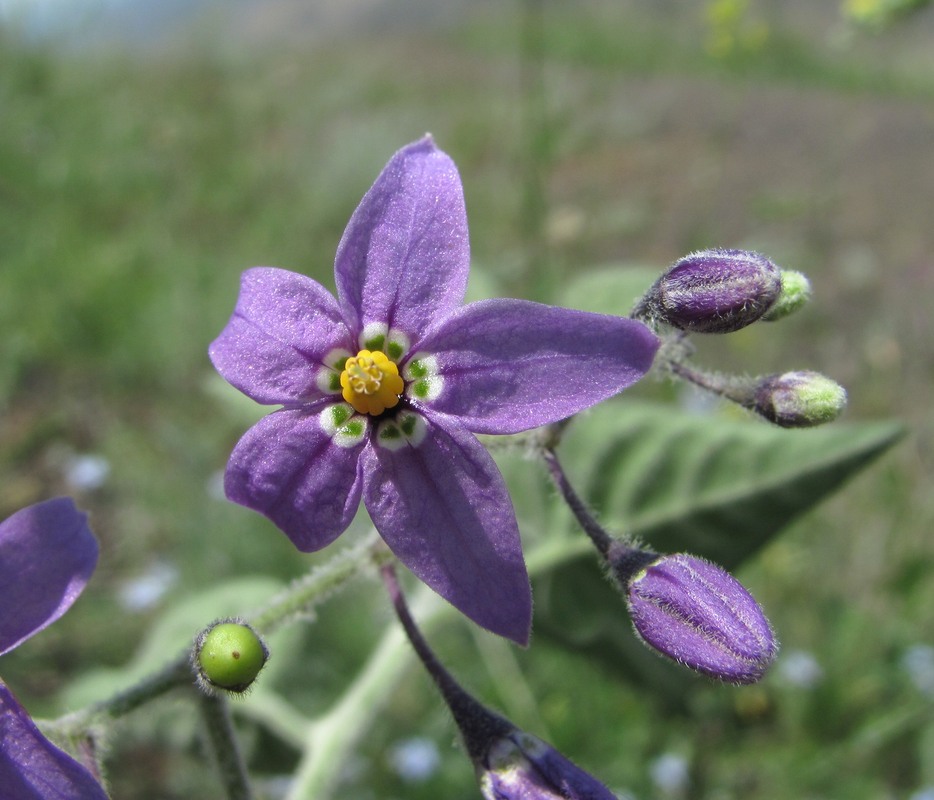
{"points": [[371, 383]]}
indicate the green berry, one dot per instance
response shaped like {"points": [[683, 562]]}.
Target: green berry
{"points": [[230, 655]]}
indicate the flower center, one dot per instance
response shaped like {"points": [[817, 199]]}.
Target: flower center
{"points": [[370, 382]]}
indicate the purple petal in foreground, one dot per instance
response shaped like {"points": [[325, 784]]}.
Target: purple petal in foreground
{"points": [[511, 365], [699, 615], [31, 767], [283, 327], [442, 507], [289, 468], [404, 257], [47, 554]]}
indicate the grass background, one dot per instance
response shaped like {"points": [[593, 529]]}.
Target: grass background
{"points": [[136, 182]]}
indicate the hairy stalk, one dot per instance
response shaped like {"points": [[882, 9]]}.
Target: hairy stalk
{"points": [[222, 739], [598, 535], [292, 604], [332, 737], [737, 390], [305, 593], [478, 725]]}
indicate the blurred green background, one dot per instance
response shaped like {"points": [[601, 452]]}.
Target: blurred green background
{"points": [[142, 169]]}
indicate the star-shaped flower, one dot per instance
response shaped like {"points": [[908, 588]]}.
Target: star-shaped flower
{"points": [[383, 388], [47, 554]]}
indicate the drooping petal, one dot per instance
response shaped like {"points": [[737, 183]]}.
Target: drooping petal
{"points": [[404, 257], [441, 504], [282, 329], [31, 767], [296, 468], [510, 365], [47, 555]]}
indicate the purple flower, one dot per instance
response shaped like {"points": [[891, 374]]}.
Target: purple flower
{"points": [[383, 388], [47, 554], [699, 615], [520, 766]]}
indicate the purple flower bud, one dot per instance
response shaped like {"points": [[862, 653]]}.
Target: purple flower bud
{"points": [[699, 615], [799, 399], [520, 766], [713, 291]]}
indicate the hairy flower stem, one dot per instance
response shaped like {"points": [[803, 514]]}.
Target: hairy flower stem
{"points": [[737, 390], [598, 535], [306, 592], [174, 675], [222, 739], [478, 725], [330, 739], [292, 604]]}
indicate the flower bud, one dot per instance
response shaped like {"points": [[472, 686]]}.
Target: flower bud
{"points": [[713, 291], [520, 766], [229, 655], [799, 399], [796, 292], [699, 615]]}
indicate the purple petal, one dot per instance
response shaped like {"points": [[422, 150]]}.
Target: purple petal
{"points": [[289, 468], [510, 365], [31, 767], [404, 257], [443, 509], [283, 327], [47, 555]]}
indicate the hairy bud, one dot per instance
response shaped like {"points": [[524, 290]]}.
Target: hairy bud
{"points": [[229, 655], [713, 291], [520, 766], [799, 399], [796, 292], [699, 615]]}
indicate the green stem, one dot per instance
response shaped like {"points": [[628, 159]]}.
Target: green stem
{"points": [[598, 535], [304, 594], [223, 742], [332, 737], [295, 602]]}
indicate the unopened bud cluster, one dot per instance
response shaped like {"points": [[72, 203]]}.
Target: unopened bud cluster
{"points": [[721, 291]]}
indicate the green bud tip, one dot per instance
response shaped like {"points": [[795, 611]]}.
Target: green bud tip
{"points": [[796, 292], [229, 655]]}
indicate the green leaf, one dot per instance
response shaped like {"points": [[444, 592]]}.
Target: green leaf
{"points": [[718, 488]]}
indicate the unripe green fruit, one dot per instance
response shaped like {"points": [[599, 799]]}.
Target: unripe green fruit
{"points": [[230, 656]]}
